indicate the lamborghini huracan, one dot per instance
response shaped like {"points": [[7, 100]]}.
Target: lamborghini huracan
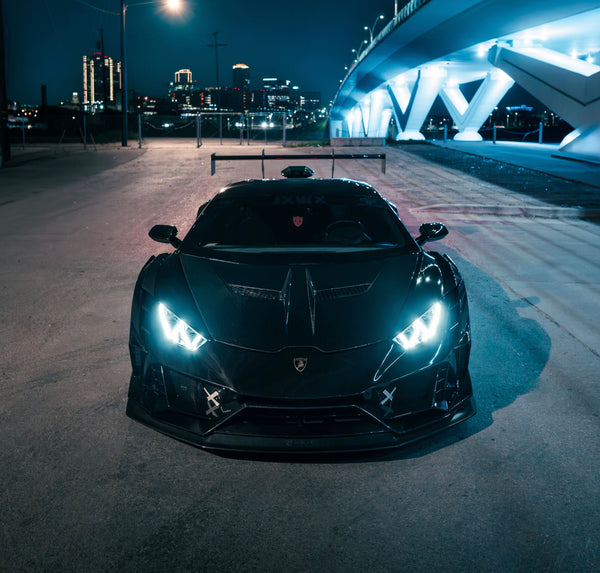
{"points": [[299, 315]]}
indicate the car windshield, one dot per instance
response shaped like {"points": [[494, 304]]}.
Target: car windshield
{"points": [[291, 220]]}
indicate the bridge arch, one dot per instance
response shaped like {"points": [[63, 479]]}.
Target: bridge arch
{"points": [[551, 48]]}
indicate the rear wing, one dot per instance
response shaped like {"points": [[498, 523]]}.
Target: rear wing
{"points": [[332, 156]]}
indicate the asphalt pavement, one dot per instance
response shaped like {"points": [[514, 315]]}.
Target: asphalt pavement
{"points": [[84, 488]]}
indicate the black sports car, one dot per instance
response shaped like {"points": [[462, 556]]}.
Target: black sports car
{"points": [[299, 315]]}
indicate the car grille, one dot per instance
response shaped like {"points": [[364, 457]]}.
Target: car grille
{"points": [[293, 423], [334, 401]]}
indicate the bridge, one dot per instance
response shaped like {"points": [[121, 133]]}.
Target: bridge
{"points": [[551, 48]]}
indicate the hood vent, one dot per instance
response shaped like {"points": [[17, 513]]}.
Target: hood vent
{"points": [[341, 292], [266, 293], [253, 292], [320, 295], [332, 306]]}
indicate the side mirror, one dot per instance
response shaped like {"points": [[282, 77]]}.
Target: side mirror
{"points": [[165, 234], [431, 232]]}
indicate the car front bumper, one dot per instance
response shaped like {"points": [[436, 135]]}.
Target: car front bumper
{"points": [[222, 420]]}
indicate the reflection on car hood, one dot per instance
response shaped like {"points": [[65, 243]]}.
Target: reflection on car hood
{"points": [[332, 306]]}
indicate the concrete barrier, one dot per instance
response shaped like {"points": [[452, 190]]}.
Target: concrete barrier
{"points": [[357, 141]]}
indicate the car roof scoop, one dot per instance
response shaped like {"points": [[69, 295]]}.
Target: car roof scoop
{"points": [[297, 172]]}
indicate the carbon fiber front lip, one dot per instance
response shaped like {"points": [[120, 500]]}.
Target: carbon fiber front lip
{"points": [[240, 442]]}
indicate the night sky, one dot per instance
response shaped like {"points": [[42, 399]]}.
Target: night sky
{"points": [[306, 42]]}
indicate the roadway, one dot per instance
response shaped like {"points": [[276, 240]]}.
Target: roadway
{"points": [[85, 488]]}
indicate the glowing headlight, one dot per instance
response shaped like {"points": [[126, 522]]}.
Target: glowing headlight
{"points": [[422, 329], [178, 331]]}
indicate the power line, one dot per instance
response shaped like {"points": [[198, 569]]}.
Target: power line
{"points": [[97, 8], [216, 46]]}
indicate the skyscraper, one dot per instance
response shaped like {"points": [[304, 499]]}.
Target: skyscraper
{"points": [[101, 83], [241, 76], [184, 91], [183, 77], [238, 98], [278, 93]]}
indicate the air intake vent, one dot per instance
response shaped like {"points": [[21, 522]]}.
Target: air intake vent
{"points": [[297, 172], [341, 292], [265, 294]]}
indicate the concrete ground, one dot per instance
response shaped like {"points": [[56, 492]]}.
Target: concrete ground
{"points": [[542, 158], [82, 487]]}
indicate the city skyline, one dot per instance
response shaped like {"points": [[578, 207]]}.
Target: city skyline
{"points": [[309, 45], [101, 91]]}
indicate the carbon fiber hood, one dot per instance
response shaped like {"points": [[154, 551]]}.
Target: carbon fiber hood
{"points": [[331, 306]]}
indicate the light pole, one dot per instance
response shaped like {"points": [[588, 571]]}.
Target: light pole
{"points": [[360, 48], [4, 140], [371, 30], [125, 127], [172, 5]]}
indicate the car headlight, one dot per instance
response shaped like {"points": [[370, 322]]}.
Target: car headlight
{"points": [[178, 331], [422, 329]]}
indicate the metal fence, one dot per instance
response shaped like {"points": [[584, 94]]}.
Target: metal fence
{"points": [[247, 127], [76, 127], [497, 133]]}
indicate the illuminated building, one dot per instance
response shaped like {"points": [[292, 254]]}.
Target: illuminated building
{"points": [[191, 99], [185, 92], [310, 101], [183, 77], [101, 83], [240, 97], [277, 94], [241, 76]]}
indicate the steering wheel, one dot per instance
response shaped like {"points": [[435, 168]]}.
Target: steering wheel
{"points": [[346, 231]]}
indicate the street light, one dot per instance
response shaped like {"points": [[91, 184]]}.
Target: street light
{"points": [[372, 29], [360, 48], [173, 5]]}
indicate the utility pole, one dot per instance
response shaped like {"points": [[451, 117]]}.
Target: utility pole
{"points": [[216, 46], [124, 94], [4, 140]]}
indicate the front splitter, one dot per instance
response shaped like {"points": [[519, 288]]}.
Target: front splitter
{"points": [[266, 444]]}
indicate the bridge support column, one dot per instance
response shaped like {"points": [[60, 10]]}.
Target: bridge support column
{"points": [[364, 114], [379, 113], [349, 125], [354, 121], [336, 128], [411, 101], [570, 87], [470, 116]]}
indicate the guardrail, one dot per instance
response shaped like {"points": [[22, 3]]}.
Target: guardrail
{"points": [[403, 14]]}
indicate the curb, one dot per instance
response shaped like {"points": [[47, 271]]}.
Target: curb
{"points": [[514, 211]]}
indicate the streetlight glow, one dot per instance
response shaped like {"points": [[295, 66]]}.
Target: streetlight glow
{"points": [[360, 48], [172, 5], [371, 30]]}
